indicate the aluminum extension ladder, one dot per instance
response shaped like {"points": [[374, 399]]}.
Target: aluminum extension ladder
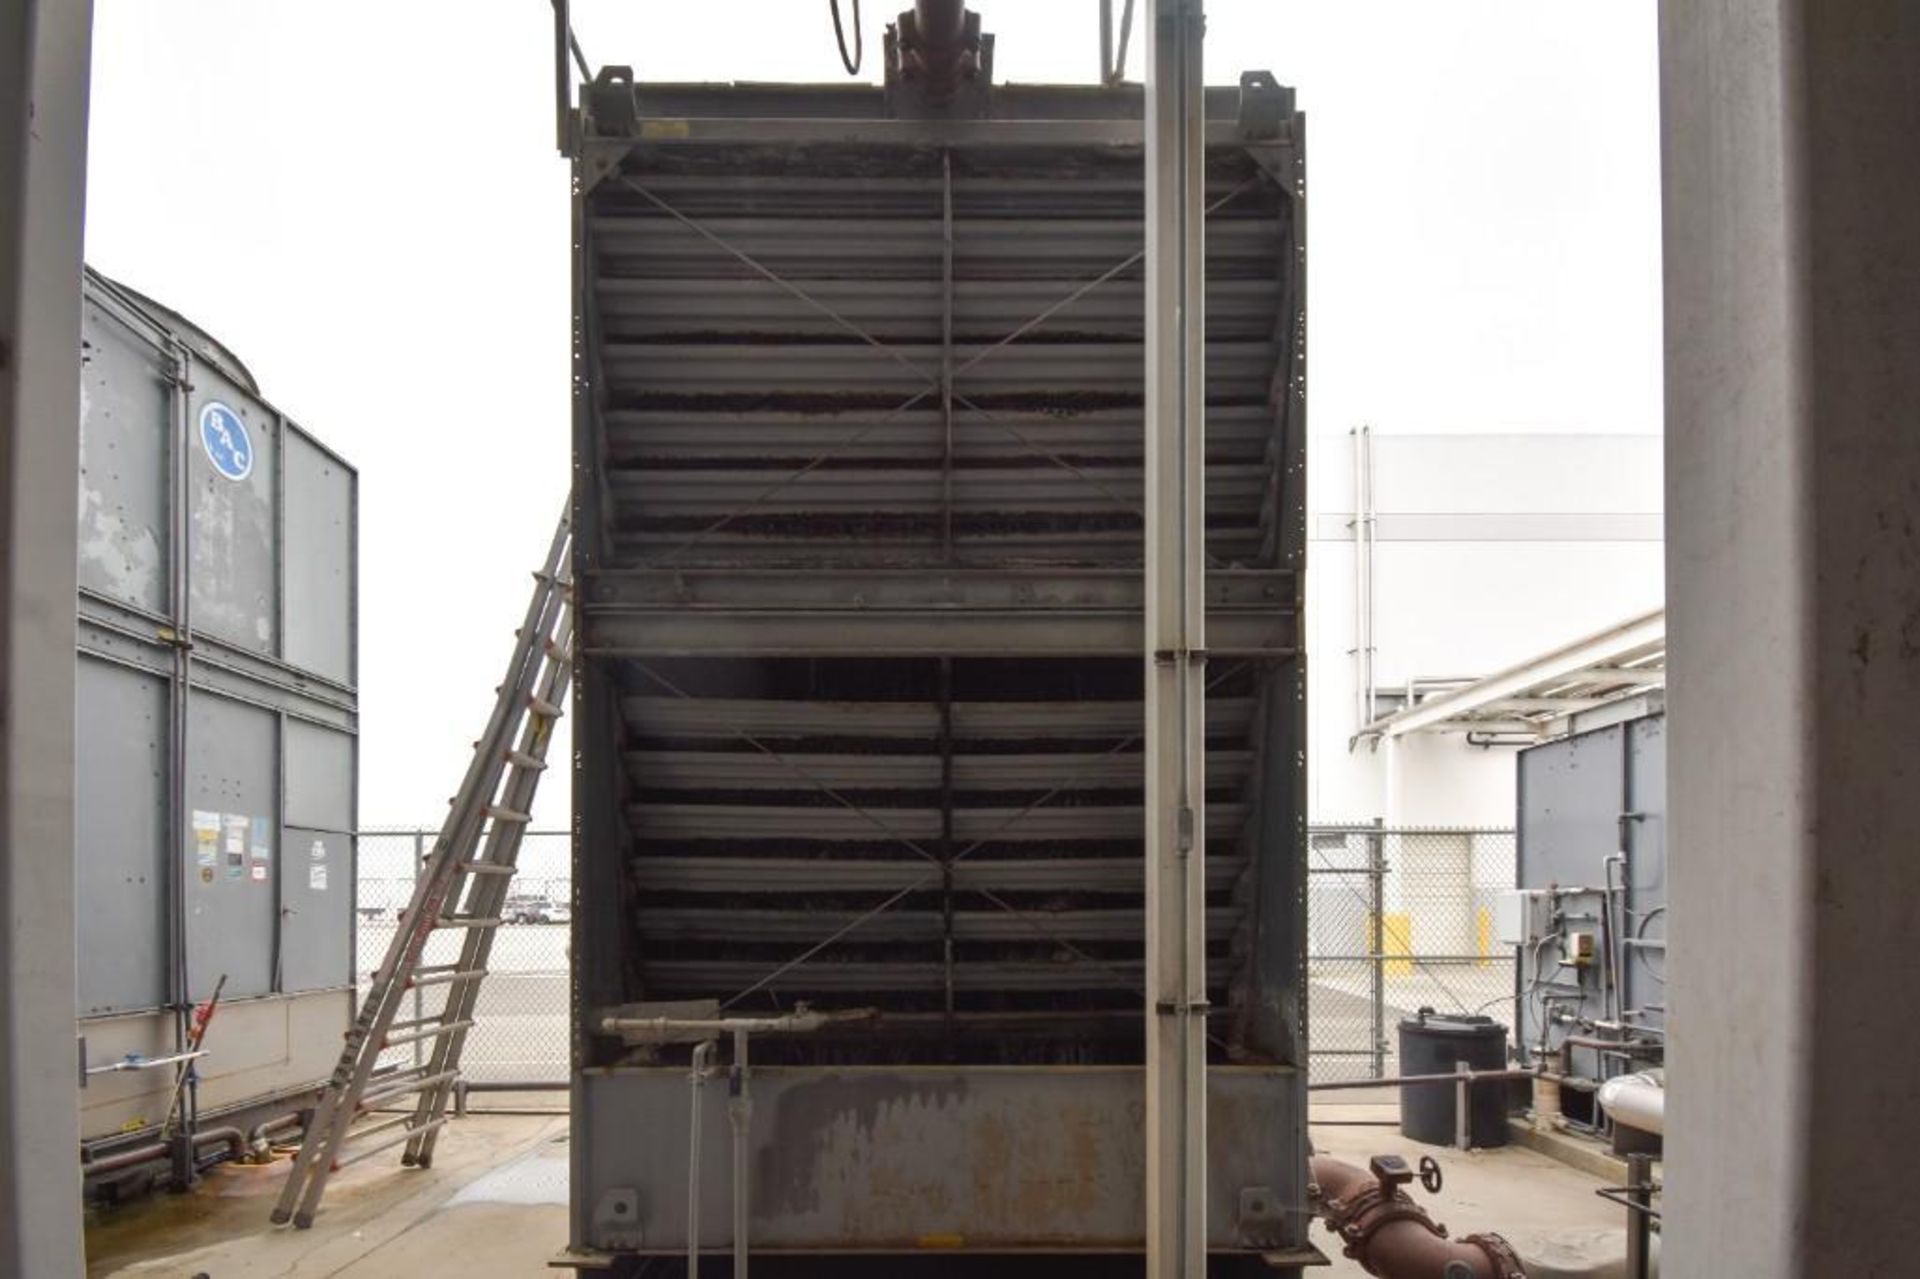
{"points": [[462, 886]]}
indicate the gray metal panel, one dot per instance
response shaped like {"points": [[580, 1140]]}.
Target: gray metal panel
{"points": [[125, 429], [232, 790], [1571, 793], [232, 532], [1583, 799], [319, 777], [319, 554], [120, 838], [885, 1159], [316, 903], [1644, 973]]}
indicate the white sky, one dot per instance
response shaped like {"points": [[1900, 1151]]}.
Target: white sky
{"points": [[362, 199]]}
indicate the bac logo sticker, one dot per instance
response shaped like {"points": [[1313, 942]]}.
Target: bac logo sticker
{"points": [[225, 438]]}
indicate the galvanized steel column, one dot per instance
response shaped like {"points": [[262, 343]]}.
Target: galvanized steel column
{"points": [[1176, 645], [43, 165]]}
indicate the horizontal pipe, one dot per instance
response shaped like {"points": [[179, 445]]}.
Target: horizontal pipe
{"points": [[262, 1133], [234, 1140], [1637, 1101], [1395, 1081], [125, 1159], [676, 1027]]}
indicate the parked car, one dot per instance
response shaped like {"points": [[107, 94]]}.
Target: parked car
{"points": [[535, 908]]}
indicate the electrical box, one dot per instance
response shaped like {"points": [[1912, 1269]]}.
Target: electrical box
{"points": [[1520, 917]]}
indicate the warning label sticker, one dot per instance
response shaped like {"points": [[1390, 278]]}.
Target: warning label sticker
{"points": [[206, 839]]}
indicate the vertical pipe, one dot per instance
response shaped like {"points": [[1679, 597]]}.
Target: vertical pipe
{"points": [[1120, 46], [1639, 1223], [1106, 41], [1361, 708], [696, 1087], [1462, 1112], [1370, 525], [180, 985], [740, 1107], [1175, 734], [1376, 945]]}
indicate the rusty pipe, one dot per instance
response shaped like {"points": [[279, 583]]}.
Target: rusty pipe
{"points": [[1391, 1236], [234, 1140]]}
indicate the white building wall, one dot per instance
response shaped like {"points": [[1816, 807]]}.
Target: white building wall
{"points": [[1488, 549]]}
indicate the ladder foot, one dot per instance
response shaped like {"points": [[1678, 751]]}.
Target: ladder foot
{"points": [[303, 1221], [408, 1160], [281, 1216], [424, 1161]]}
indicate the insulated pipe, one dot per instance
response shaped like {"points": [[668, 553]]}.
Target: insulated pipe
{"points": [[1391, 1236], [1638, 1101]]}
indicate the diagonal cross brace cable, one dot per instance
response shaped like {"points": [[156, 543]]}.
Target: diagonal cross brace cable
{"points": [[919, 885], [929, 881], [934, 384]]}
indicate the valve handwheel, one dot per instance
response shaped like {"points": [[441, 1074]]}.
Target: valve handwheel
{"points": [[1430, 1176]]}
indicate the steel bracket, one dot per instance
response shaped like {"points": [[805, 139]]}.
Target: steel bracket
{"points": [[1262, 1217], [616, 1219], [1265, 106], [611, 106]]}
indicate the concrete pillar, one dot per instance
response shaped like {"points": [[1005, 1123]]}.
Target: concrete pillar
{"points": [[1791, 137], [43, 137]]}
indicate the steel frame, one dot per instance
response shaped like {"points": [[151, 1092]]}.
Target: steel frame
{"points": [[1176, 644], [947, 607]]}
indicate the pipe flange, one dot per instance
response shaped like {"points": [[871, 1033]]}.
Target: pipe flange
{"points": [[1506, 1263], [1358, 1219]]}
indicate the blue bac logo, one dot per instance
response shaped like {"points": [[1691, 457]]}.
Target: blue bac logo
{"points": [[225, 438]]}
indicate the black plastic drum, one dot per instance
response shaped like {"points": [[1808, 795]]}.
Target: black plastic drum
{"points": [[1430, 1044]]}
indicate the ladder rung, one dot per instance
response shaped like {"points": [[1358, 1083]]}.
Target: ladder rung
{"points": [[501, 813], [543, 706], [468, 921], [523, 760], [400, 1089], [486, 868], [405, 1135], [394, 1041], [447, 977]]}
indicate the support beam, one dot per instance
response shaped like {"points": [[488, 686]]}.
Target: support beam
{"points": [[44, 47], [1176, 643], [1793, 501]]}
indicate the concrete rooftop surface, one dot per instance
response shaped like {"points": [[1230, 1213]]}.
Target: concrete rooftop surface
{"points": [[494, 1203]]}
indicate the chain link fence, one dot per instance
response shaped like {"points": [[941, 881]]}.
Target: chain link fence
{"points": [[1397, 920], [520, 1031]]}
